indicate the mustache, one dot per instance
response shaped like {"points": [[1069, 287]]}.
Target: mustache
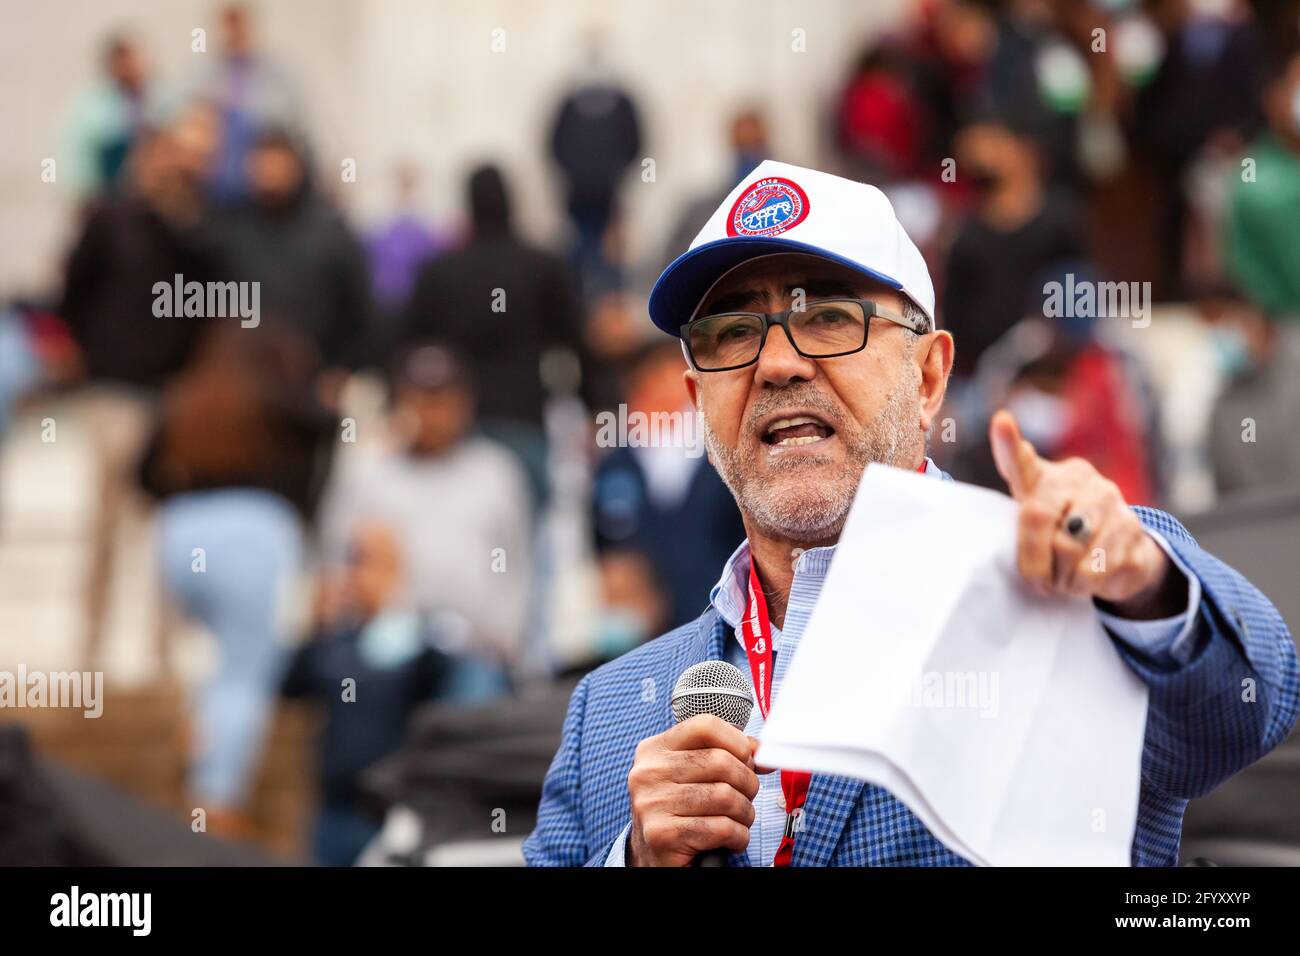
{"points": [[809, 398]]}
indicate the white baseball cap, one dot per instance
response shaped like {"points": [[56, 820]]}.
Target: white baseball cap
{"points": [[783, 208]]}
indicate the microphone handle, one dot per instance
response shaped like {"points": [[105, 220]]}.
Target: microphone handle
{"points": [[712, 858]]}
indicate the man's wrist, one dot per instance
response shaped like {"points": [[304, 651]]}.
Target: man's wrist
{"points": [[1166, 596], [630, 856]]}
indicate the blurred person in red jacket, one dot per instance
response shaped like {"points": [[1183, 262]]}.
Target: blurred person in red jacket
{"points": [[1073, 397]]}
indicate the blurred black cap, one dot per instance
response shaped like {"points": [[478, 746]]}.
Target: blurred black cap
{"points": [[429, 366]]}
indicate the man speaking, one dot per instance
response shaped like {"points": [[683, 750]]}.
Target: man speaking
{"points": [[806, 316]]}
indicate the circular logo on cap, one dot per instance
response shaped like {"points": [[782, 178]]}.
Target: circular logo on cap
{"points": [[768, 208]]}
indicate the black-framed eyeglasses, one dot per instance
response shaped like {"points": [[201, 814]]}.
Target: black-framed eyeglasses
{"points": [[819, 328]]}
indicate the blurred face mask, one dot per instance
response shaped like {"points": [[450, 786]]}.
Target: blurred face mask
{"points": [[391, 640], [1231, 352], [618, 630], [1043, 418]]}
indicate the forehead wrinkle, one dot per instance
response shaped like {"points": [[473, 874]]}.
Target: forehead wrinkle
{"points": [[812, 286], [736, 300], [819, 287]]}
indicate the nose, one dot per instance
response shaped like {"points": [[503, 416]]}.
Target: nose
{"points": [[779, 364]]}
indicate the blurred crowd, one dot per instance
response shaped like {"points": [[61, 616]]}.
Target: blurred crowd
{"points": [[407, 422]]}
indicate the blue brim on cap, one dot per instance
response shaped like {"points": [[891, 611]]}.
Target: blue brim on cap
{"points": [[688, 277]]}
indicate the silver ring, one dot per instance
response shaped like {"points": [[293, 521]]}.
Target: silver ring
{"points": [[1077, 527]]}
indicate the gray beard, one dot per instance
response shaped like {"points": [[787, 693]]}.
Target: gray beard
{"points": [[819, 511]]}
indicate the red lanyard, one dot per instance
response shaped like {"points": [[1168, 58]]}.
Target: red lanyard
{"points": [[757, 631]]}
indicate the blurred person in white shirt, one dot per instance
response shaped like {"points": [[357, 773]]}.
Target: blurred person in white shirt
{"points": [[1251, 433], [459, 506]]}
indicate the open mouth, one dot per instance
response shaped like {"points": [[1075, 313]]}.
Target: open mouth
{"points": [[796, 430]]}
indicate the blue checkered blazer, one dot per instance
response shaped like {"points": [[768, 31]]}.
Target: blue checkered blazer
{"points": [[1199, 732]]}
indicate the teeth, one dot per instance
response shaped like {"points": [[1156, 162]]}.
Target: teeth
{"points": [[789, 422], [805, 440]]}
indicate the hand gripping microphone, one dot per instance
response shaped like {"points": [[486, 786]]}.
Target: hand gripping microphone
{"points": [[718, 688]]}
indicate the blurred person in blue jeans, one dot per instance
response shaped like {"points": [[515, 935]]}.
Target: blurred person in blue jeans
{"points": [[19, 365], [371, 664], [237, 462]]}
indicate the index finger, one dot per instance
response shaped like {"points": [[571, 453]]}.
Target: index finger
{"points": [[1016, 460], [704, 731], [758, 767]]}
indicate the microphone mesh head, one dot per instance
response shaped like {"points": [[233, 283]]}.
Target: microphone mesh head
{"points": [[713, 687]]}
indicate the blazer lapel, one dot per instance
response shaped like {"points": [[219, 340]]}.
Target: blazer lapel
{"points": [[706, 645], [827, 811], [710, 640], [830, 799]]}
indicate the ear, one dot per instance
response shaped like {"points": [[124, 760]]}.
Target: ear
{"points": [[934, 353], [690, 379]]}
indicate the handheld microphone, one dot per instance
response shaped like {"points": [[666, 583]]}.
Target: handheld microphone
{"points": [[718, 688]]}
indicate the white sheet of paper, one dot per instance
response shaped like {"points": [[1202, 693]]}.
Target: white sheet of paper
{"points": [[1005, 721]]}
